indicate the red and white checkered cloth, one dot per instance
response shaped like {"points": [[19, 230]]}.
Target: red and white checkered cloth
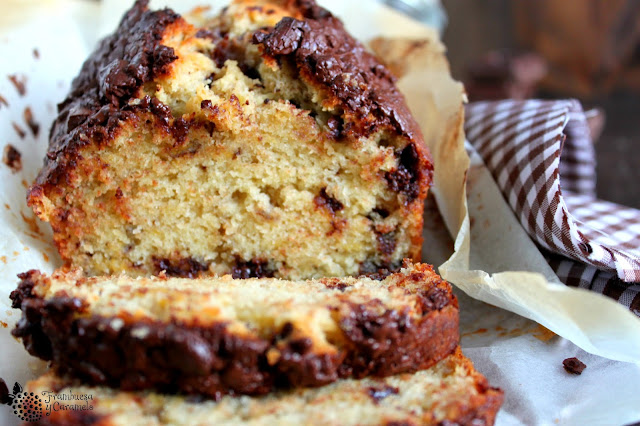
{"points": [[541, 155]]}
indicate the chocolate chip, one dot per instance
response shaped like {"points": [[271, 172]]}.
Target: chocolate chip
{"points": [[387, 243], [301, 346], [335, 127], [180, 130], [286, 331], [405, 178], [255, 268], [326, 201], [573, 366], [435, 298], [182, 267]]}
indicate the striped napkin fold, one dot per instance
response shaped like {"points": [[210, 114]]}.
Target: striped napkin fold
{"points": [[541, 155]]}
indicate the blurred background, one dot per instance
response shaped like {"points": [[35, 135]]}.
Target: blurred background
{"points": [[586, 49]]}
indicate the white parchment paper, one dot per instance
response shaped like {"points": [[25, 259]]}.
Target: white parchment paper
{"points": [[515, 353]]}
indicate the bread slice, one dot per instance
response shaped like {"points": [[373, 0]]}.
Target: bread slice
{"points": [[264, 142], [449, 393], [215, 336]]}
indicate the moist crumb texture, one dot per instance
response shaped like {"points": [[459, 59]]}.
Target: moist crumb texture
{"points": [[217, 336], [449, 393], [261, 142]]}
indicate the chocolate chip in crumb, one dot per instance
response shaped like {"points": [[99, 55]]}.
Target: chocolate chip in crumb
{"points": [[12, 158], [405, 178], [335, 127], [254, 268], [324, 200], [387, 243], [182, 267], [573, 366]]}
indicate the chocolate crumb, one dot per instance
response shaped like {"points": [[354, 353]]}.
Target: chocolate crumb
{"points": [[573, 366], [36, 53], [378, 394], [3, 101], [12, 158], [19, 82], [21, 133], [33, 125], [328, 202]]}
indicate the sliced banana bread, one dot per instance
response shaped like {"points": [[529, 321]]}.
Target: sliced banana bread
{"points": [[449, 393], [215, 336]]}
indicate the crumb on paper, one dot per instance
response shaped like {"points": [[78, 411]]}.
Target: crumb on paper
{"points": [[12, 158], [3, 259], [19, 82], [7, 206], [45, 257], [36, 53], [3, 101], [21, 133], [573, 366], [4, 324], [478, 331], [31, 223], [25, 183], [31, 122], [543, 334]]}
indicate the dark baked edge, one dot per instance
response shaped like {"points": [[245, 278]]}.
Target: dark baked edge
{"points": [[213, 361]]}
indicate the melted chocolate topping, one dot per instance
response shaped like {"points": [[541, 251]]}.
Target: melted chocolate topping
{"points": [[121, 64], [330, 58], [212, 360]]}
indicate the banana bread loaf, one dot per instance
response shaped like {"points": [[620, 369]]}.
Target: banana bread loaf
{"points": [[263, 142]]}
